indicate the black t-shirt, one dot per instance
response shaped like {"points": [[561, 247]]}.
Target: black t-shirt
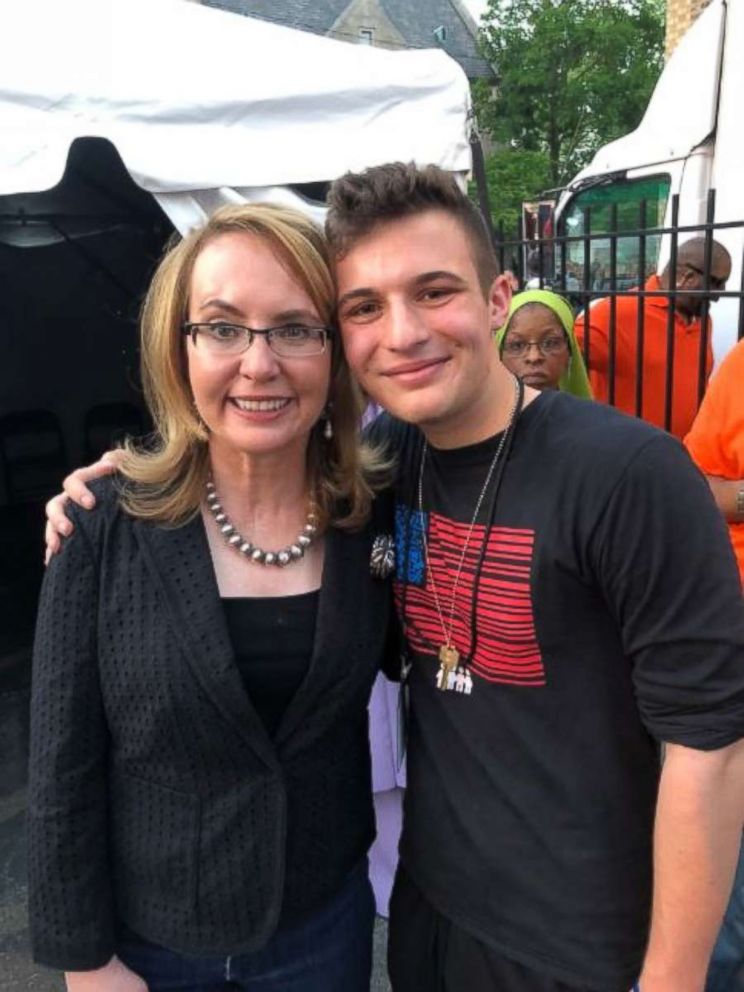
{"points": [[609, 617]]}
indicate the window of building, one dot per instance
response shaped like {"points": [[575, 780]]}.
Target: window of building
{"points": [[366, 36]]}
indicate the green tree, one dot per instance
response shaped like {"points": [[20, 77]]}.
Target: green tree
{"points": [[514, 176], [572, 75]]}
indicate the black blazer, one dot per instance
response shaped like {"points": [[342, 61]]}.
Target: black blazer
{"points": [[156, 797]]}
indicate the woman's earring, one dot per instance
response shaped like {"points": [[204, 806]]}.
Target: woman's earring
{"points": [[326, 417]]}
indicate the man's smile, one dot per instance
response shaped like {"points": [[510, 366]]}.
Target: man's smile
{"points": [[415, 371]]}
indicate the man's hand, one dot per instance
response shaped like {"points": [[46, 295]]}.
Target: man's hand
{"points": [[75, 488], [113, 977]]}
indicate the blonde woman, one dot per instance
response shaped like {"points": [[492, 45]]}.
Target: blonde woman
{"points": [[200, 802]]}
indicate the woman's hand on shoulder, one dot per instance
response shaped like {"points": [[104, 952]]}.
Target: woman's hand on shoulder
{"points": [[113, 977], [75, 488]]}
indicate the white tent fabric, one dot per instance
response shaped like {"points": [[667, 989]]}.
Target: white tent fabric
{"points": [[208, 103], [188, 210]]}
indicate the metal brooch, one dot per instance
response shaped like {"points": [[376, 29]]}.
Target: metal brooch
{"points": [[382, 558]]}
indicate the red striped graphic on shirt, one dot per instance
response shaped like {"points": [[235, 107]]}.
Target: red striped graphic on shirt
{"points": [[506, 648]]}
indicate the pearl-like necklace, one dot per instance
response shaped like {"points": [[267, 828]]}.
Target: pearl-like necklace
{"points": [[294, 552]]}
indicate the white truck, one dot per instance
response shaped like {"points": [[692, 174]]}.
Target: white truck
{"points": [[690, 141]]}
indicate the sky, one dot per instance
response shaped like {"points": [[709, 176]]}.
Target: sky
{"points": [[476, 7]]}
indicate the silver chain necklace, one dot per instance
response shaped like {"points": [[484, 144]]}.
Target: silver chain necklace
{"points": [[293, 552], [449, 656]]}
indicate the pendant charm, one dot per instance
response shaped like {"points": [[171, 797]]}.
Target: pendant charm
{"points": [[382, 558], [455, 680], [449, 658]]}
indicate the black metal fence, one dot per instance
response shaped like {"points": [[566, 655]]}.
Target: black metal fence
{"points": [[615, 261]]}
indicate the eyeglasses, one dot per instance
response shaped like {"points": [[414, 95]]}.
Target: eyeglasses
{"points": [[516, 347], [222, 339], [715, 281]]}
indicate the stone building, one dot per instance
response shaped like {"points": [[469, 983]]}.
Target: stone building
{"points": [[680, 15], [394, 24]]}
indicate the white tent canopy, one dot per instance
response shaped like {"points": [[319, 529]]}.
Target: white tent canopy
{"points": [[205, 106]]}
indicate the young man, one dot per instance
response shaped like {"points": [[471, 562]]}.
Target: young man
{"points": [[570, 600]]}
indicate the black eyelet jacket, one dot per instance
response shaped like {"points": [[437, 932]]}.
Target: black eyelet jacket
{"points": [[156, 798]]}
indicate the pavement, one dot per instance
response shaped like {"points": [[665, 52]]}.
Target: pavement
{"points": [[17, 972]]}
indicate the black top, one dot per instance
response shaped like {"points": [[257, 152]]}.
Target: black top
{"points": [[608, 616], [156, 797], [272, 638]]}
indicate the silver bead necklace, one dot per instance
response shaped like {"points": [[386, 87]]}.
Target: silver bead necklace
{"points": [[293, 552]]}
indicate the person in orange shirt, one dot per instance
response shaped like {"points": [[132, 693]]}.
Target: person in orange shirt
{"points": [[687, 335], [716, 444]]}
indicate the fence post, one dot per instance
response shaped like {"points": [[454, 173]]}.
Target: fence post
{"points": [[740, 334], [710, 214], [641, 311], [671, 312], [585, 297], [612, 343]]}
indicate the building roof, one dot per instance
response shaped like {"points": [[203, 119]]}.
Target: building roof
{"points": [[415, 22], [309, 15]]}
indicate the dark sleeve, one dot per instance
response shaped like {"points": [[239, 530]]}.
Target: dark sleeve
{"points": [[668, 573], [383, 523], [391, 662], [70, 902]]}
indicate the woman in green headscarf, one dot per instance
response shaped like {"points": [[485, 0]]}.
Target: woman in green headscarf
{"points": [[537, 343]]}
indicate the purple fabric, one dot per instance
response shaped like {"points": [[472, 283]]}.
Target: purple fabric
{"points": [[383, 735], [383, 855], [373, 410], [388, 783]]}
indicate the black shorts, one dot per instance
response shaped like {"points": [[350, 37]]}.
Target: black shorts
{"points": [[429, 953]]}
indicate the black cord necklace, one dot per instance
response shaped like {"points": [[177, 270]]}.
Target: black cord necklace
{"points": [[450, 668]]}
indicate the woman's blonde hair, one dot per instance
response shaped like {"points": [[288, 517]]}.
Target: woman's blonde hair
{"points": [[167, 475]]}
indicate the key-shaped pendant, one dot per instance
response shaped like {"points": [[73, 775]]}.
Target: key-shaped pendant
{"points": [[449, 658]]}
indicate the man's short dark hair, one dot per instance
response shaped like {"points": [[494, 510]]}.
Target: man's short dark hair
{"points": [[359, 201], [691, 254]]}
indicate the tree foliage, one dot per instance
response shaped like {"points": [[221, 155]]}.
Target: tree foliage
{"points": [[572, 74], [514, 176]]}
